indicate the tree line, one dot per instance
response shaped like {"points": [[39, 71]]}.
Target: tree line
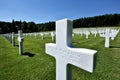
{"points": [[106, 20], [26, 27]]}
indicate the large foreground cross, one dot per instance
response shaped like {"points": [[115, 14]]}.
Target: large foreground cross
{"points": [[20, 41], [65, 53]]}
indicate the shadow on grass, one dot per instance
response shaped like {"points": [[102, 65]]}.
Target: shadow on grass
{"points": [[80, 41], [95, 61], [114, 47], [76, 42], [28, 54], [16, 45]]}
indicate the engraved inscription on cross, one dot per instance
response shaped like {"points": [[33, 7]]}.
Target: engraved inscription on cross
{"points": [[66, 54]]}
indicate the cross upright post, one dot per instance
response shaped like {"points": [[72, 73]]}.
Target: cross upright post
{"points": [[52, 35], [107, 36], [13, 38], [20, 40]]}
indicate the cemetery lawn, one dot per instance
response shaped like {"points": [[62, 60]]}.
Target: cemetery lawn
{"points": [[35, 64]]}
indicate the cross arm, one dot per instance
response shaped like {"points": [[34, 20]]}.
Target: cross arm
{"points": [[83, 58]]}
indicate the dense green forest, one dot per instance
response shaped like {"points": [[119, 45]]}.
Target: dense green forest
{"points": [[106, 20]]}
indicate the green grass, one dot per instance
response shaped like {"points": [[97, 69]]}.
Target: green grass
{"points": [[42, 66]]}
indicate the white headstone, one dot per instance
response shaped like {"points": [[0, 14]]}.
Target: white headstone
{"points": [[94, 32], [73, 35], [13, 38], [107, 36], [10, 38], [20, 41], [42, 35], [81, 33], [87, 33], [30, 35], [113, 33], [52, 35], [35, 34], [65, 53]]}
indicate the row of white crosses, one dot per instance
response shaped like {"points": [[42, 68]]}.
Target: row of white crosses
{"points": [[107, 33], [65, 53], [21, 39], [8, 36], [80, 32], [11, 37], [100, 31], [42, 34], [113, 33]]}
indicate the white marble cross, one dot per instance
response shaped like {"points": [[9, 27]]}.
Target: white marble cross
{"points": [[94, 32], [30, 35], [42, 35], [107, 36], [13, 38], [81, 33], [10, 37], [65, 53], [52, 35], [87, 33], [113, 33], [35, 34], [20, 40]]}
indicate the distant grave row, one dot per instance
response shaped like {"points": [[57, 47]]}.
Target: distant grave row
{"points": [[104, 32]]}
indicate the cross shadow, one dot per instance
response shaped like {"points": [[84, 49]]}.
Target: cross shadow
{"points": [[76, 42], [28, 54], [16, 45], [95, 61], [114, 47]]}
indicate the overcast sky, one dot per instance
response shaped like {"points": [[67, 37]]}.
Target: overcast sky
{"points": [[41, 11]]}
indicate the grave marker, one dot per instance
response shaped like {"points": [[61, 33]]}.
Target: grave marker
{"points": [[42, 35], [73, 35], [13, 38], [20, 41], [52, 35], [113, 34], [94, 32], [35, 34], [30, 35], [107, 36], [65, 53], [81, 33], [10, 38], [87, 33]]}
